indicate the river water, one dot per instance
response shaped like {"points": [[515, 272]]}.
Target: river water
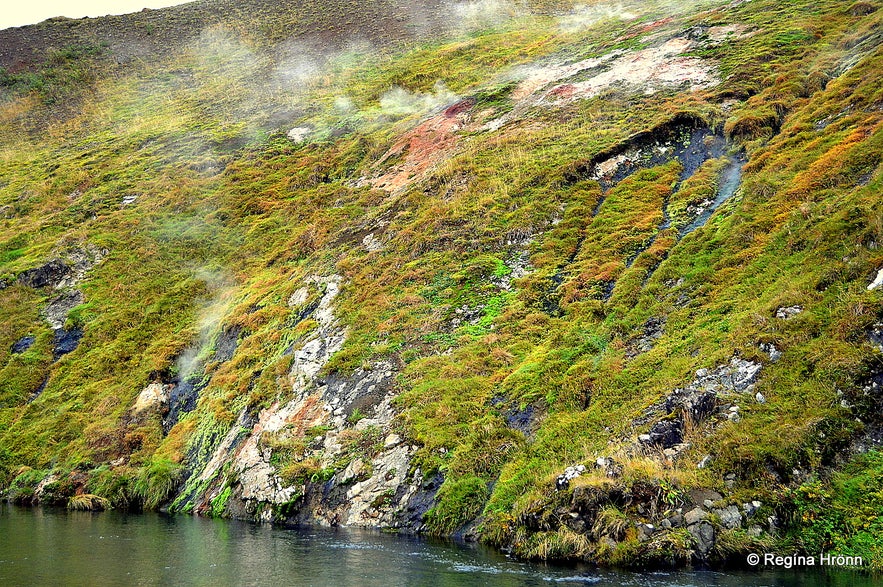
{"points": [[56, 547]]}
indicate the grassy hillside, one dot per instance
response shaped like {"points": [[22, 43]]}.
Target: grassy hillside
{"points": [[554, 225]]}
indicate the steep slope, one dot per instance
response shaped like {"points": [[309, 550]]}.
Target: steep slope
{"points": [[595, 282]]}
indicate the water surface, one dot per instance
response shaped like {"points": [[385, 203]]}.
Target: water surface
{"points": [[56, 547]]}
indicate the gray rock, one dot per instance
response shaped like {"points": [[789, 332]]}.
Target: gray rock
{"points": [[730, 517], [645, 531], [352, 471], [706, 460], [703, 537], [57, 310], [695, 516], [875, 336], [760, 398]]}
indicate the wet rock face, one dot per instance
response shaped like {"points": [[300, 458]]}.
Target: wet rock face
{"points": [[65, 341], [524, 420], [63, 272], [54, 273], [22, 344], [182, 396], [684, 138], [228, 340]]}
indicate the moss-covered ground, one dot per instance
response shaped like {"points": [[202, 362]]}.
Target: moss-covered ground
{"points": [[230, 217]]}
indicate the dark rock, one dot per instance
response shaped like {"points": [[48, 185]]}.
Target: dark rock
{"points": [[411, 516], [22, 344], [653, 330], [676, 520], [730, 517], [65, 341], [228, 340], [699, 496], [52, 273], [703, 538], [182, 399], [666, 433]]}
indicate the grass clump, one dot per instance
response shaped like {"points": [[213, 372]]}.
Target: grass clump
{"points": [[88, 502], [157, 482]]}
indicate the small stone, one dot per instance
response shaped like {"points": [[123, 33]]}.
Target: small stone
{"points": [[706, 460], [785, 313], [759, 397], [392, 440], [770, 349]]}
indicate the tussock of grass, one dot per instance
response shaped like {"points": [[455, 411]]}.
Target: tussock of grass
{"points": [[87, 502]]}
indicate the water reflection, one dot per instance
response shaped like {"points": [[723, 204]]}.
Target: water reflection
{"points": [[55, 547]]}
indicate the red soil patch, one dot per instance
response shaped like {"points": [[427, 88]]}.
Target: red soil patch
{"points": [[426, 145]]}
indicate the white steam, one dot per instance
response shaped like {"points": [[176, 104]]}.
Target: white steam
{"points": [[482, 14], [400, 102], [220, 291], [583, 16]]}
